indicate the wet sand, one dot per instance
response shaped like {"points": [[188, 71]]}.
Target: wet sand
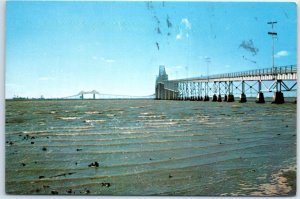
{"points": [[138, 147]]}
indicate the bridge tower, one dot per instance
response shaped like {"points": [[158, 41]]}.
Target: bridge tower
{"points": [[160, 92], [162, 76]]}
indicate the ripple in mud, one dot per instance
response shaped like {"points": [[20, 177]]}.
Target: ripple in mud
{"points": [[16, 120], [282, 183]]}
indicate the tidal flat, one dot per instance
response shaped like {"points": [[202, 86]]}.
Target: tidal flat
{"points": [[150, 147]]}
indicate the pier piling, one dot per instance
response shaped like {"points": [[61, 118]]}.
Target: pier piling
{"points": [[260, 98], [278, 98], [243, 98], [214, 98], [219, 99]]}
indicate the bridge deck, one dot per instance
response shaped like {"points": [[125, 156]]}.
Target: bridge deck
{"points": [[283, 73]]}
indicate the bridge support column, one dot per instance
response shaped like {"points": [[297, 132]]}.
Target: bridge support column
{"points": [[174, 95], [260, 96], [214, 98], [226, 91], [181, 92], [186, 92], [243, 98], [156, 92], [197, 91], [194, 91], [206, 98], [162, 92], [225, 98], [230, 97], [278, 98], [278, 95], [200, 91], [219, 99], [81, 97], [191, 91], [167, 94]]}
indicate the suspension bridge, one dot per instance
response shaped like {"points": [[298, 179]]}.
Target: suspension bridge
{"points": [[97, 95], [222, 87]]}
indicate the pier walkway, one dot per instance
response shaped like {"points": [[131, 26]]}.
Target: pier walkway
{"points": [[221, 87]]}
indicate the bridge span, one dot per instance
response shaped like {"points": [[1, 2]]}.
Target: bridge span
{"points": [[97, 95], [221, 87]]}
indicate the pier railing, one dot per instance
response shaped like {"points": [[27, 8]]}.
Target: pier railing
{"points": [[258, 72], [289, 69]]}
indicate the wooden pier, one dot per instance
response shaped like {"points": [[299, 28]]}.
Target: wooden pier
{"points": [[221, 87]]}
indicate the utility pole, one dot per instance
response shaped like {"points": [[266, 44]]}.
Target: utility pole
{"points": [[274, 35]]}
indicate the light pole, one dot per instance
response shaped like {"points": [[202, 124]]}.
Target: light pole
{"points": [[278, 97], [274, 35]]}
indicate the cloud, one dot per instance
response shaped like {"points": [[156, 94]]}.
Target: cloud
{"points": [[13, 85], [282, 53], [184, 28], [109, 61], [186, 23], [45, 78], [178, 36]]}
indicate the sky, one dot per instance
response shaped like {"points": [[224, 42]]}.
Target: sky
{"points": [[57, 49]]}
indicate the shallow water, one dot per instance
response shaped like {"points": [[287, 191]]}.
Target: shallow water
{"points": [[147, 147]]}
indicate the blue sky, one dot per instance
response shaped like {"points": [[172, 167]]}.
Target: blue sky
{"points": [[57, 49]]}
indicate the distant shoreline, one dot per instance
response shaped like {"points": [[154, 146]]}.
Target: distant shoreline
{"points": [[58, 99], [249, 99]]}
